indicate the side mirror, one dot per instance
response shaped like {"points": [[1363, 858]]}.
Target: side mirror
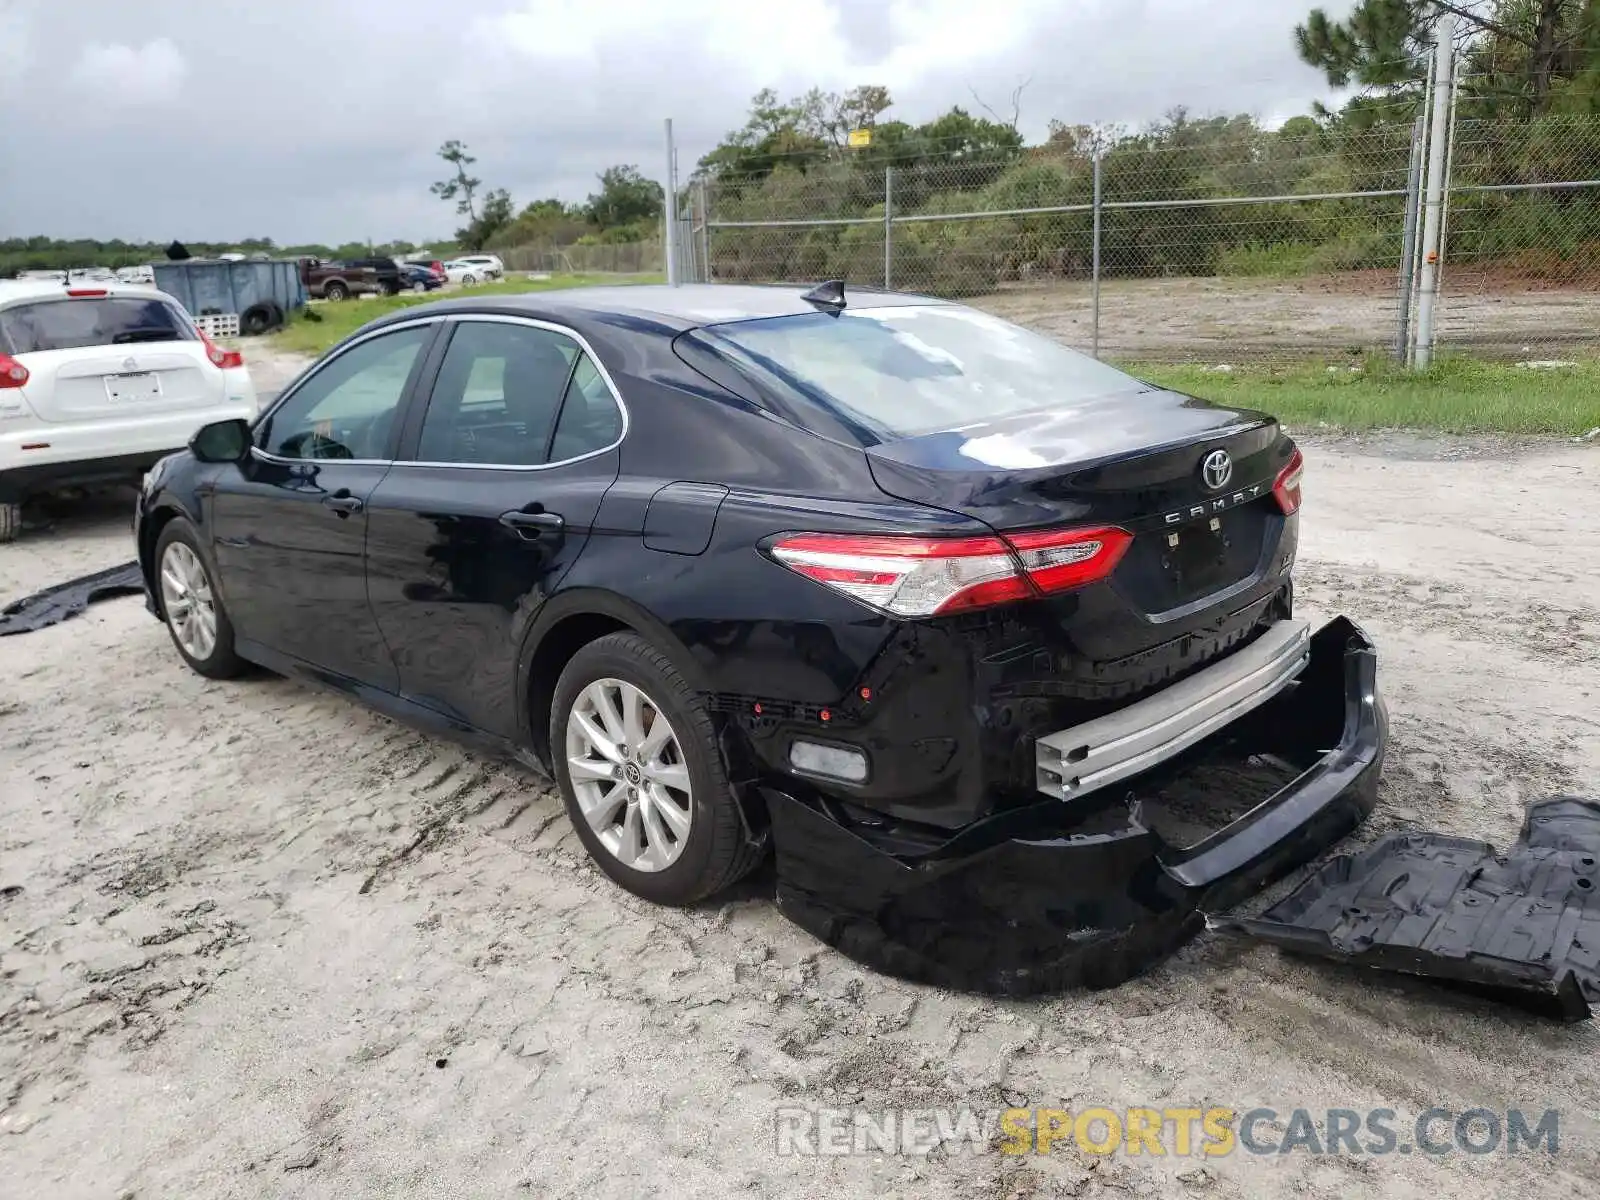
{"points": [[221, 442]]}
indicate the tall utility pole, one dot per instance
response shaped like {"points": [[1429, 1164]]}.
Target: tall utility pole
{"points": [[1433, 212], [670, 238]]}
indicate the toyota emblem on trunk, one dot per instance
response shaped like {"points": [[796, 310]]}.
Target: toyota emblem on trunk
{"points": [[1216, 469]]}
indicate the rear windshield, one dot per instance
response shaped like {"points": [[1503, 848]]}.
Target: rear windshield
{"points": [[905, 371], [72, 323]]}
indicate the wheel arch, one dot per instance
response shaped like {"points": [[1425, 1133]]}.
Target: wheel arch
{"points": [[567, 623]]}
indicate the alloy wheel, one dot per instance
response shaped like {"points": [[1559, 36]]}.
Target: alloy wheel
{"points": [[629, 775], [187, 601]]}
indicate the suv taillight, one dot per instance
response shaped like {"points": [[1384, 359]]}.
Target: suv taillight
{"points": [[12, 373], [1286, 487], [226, 359], [924, 577]]}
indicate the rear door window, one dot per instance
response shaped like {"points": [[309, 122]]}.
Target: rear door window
{"points": [[498, 394], [71, 324]]}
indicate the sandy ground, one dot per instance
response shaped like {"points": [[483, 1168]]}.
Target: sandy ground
{"points": [[256, 941], [1226, 320]]}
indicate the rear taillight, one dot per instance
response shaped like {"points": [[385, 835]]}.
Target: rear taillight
{"points": [[12, 373], [87, 293], [226, 359], [923, 577], [1286, 487]]}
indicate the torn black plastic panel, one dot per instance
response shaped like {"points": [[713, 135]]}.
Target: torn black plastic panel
{"points": [[1522, 926], [1093, 891], [64, 600]]}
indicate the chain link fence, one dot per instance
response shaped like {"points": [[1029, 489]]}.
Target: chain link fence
{"points": [[1212, 241]]}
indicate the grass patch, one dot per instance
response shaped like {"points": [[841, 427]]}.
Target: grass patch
{"points": [[306, 336], [1457, 395]]}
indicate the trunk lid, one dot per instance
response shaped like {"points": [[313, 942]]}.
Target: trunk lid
{"points": [[1135, 460]]}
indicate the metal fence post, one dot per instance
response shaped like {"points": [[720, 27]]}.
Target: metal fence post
{"points": [[705, 230], [1433, 220], [888, 226], [1094, 322], [671, 231], [1408, 249]]}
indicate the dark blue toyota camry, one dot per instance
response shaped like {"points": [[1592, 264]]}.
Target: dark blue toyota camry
{"points": [[992, 645]]}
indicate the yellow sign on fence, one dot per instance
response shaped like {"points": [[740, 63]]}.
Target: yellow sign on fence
{"points": [[860, 137]]}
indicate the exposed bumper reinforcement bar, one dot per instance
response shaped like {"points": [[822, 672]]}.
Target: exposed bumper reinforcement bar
{"points": [[1057, 895], [1087, 757]]}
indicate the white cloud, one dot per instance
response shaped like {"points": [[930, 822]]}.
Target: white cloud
{"points": [[150, 74], [324, 115], [16, 49]]}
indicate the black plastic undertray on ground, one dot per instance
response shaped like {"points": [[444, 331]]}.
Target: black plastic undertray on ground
{"points": [[56, 604], [1523, 926]]}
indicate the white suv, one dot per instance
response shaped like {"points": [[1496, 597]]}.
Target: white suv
{"points": [[99, 381], [489, 265]]}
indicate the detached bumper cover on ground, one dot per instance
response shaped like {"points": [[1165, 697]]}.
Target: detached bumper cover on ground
{"points": [[1089, 892], [64, 600], [1522, 926]]}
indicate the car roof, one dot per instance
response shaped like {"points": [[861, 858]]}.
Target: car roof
{"points": [[687, 306], [16, 291]]}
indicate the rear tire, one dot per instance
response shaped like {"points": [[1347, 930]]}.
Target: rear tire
{"points": [[191, 606], [10, 522], [336, 291], [687, 852]]}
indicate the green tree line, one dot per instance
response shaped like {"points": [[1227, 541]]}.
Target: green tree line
{"points": [[1528, 112]]}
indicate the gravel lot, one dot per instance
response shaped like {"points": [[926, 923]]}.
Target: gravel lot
{"points": [[266, 943]]}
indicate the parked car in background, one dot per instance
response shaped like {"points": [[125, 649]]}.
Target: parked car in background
{"points": [[459, 270], [489, 265], [99, 381], [339, 281], [139, 274], [435, 265], [940, 610], [417, 278], [385, 270]]}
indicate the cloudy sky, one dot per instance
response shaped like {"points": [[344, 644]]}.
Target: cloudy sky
{"points": [[317, 120]]}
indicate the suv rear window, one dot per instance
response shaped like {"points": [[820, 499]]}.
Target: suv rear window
{"points": [[903, 371], [69, 324]]}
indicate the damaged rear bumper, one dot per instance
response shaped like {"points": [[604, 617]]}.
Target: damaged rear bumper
{"points": [[1092, 890]]}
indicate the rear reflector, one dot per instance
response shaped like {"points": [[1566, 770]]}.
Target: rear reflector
{"points": [[1286, 487], [836, 762], [12, 373], [924, 577]]}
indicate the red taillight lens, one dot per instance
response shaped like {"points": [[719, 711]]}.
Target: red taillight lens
{"points": [[1286, 487], [12, 373], [226, 359], [923, 577], [86, 293]]}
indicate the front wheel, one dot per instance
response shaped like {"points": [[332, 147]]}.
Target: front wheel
{"points": [[642, 775], [191, 605], [419, 287]]}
